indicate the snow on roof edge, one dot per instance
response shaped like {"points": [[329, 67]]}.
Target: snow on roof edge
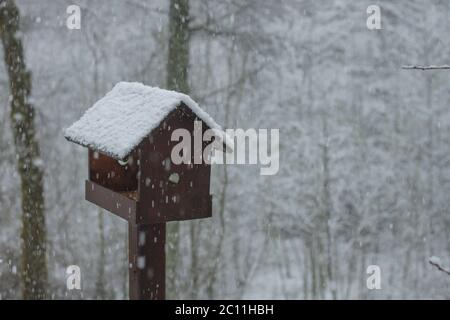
{"points": [[73, 133]]}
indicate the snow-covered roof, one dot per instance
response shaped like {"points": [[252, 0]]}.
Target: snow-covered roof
{"points": [[119, 121]]}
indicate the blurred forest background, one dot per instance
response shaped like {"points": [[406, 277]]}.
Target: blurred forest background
{"points": [[364, 145]]}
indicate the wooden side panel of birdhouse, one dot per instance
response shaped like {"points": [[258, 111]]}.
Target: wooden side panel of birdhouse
{"points": [[170, 192]]}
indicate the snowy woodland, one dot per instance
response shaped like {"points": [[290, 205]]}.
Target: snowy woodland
{"points": [[364, 173]]}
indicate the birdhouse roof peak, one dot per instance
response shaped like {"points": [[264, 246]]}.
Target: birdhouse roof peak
{"points": [[119, 121]]}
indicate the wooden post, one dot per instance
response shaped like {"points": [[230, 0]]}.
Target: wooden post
{"points": [[147, 261]]}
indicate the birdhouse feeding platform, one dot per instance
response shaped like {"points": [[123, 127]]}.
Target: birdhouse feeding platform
{"points": [[131, 174]]}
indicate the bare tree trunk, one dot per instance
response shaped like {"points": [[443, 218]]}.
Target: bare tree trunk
{"points": [[33, 264], [327, 209], [312, 258], [222, 202], [178, 61], [177, 79], [101, 292]]}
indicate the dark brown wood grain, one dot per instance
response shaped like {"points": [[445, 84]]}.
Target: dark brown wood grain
{"points": [[160, 199]]}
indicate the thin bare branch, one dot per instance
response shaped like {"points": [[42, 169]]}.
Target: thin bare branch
{"points": [[423, 68], [434, 261]]}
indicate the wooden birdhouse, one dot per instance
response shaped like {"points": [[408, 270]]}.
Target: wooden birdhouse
{"points": [[131, 172]]}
